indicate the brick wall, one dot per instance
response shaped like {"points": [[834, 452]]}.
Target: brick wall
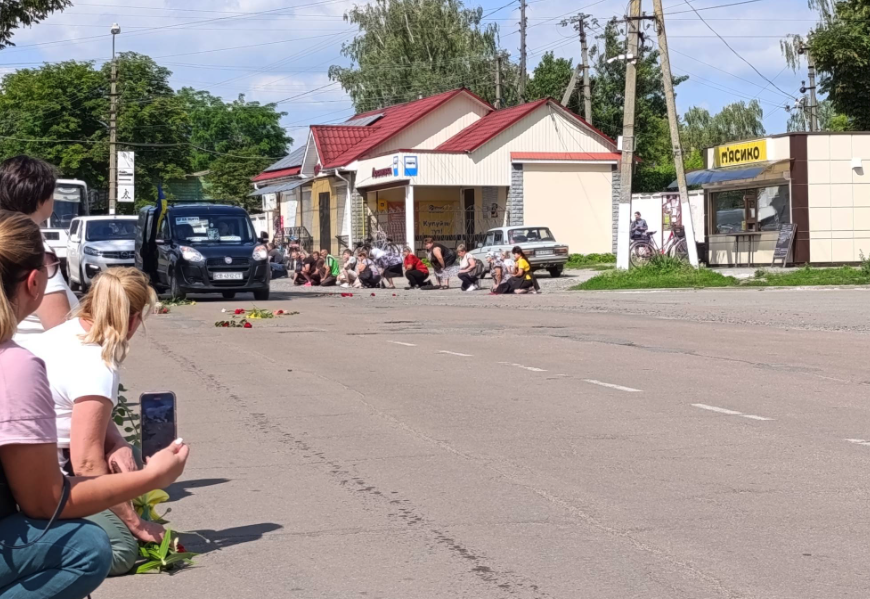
{"points": [[515, 196]]}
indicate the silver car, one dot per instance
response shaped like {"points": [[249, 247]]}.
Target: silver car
{"points": [[538, 243], [97, 243]]}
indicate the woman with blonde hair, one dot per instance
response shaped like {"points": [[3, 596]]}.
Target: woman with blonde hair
{"points": [[82, 357], [66, 556]]}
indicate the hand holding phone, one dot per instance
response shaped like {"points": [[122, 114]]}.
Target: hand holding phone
{"points": [[158, 421]]}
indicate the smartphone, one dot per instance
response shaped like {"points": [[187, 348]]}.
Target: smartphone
{"points": [[159, 427]]}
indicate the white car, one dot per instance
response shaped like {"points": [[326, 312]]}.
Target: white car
{"points": [[97, 243], [538, 243]]}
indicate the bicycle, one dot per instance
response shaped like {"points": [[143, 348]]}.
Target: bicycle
{"points": [[642, 251]]}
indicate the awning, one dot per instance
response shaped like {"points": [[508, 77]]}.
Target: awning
{"points": [[721, 175], [279, 187]]}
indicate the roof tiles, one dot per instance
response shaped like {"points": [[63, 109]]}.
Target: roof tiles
{"points": [[337, 145], [477, 134]]}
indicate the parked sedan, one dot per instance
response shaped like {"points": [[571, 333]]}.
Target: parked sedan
{"points": [[538, 243], [97, 243]]}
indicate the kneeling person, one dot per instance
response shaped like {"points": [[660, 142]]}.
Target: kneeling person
{"points": [[82, 357]]}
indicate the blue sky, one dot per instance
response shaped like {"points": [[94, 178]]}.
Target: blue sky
{"points": [[271, 50]]}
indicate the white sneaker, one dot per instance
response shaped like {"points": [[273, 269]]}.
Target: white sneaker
{"points": [[345, 286]]}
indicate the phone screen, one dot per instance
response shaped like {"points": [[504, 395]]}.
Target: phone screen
{"points": [[158, 422]]}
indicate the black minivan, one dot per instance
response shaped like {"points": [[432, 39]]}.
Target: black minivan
{"points": [[202, 248]]}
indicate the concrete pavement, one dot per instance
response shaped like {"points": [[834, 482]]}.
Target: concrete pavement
{"points": [[439, 444]]}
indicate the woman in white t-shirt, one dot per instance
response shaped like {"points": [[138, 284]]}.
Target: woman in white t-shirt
{"points": [[82, 357]]}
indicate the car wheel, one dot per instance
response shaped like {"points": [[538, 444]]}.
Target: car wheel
{"points": [[72, 284], [175, 292], [261, 295], [556, 271], [83, 285], [228, 294]]}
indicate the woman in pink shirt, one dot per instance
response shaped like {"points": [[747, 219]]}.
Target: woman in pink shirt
{"points": [[66, 556]]}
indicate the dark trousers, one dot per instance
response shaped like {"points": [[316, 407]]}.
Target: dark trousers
{"points": [[417, 278], [467, 279], [328, 281], [367, 279]]}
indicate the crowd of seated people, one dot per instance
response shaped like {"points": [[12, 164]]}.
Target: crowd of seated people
{"points": [[379, 267]]}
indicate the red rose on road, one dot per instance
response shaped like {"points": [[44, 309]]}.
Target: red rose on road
{"points": [[248, 325]]}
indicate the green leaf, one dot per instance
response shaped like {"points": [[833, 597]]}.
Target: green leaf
{"points": [[143, 552], [164, 546], [128, 429], [149, 566], [118, 420]]}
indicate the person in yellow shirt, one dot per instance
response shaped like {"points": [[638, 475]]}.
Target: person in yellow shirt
{"points": [[522, 281]]}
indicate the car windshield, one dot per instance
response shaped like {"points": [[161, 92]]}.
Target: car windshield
{"points": [[106, 230], [67, 206], [212, 229], [530, 235]]}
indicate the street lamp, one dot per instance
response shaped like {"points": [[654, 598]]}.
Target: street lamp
{"points": [[113, 122]]}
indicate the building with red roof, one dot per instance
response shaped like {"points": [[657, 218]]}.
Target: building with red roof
{"points": [[452, 166]]}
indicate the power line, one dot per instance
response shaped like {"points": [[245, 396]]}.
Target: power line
{"points": [[141, 145], [735, 52], [178, 25]]}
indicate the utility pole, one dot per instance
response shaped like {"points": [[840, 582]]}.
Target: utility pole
{"points": [[627, 163], [521, 87], [814, 105], [587, 89], [676, 144], [113, 127], [580, 25], [498, 81]]}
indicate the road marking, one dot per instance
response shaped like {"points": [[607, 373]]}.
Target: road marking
{"points": [[611, 386], [403, 343], [859, 442], [730, 412], [453, 353], [529, 368]]}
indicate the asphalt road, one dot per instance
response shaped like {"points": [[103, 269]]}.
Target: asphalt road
{"points": [[688, 444]]}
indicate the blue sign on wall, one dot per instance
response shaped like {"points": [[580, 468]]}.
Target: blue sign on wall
{"points": [[395, 166], [410, 166]]}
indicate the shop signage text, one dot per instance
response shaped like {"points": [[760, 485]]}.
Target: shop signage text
{"points": [[377, 173], [745, 153]]}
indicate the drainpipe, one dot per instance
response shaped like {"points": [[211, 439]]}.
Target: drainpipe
{"points": [[347, 211]]}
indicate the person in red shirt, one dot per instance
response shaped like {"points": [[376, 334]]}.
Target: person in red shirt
{"points": [[415, 271]]}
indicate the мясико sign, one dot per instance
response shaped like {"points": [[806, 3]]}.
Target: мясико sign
{"points": [[744, 153]]}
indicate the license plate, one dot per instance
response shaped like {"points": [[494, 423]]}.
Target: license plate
{"points": [[227, 276], [543, 252]]}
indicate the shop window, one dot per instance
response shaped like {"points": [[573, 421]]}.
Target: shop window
{"points": [[759, 209]]}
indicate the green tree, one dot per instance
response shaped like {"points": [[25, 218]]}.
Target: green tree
{"points": [[409, 48], [25, 12], [52, 104], [60, 112], [735, 122], [828, 118], [150, 113], [550, 79], [233, 141], [840, 46]]}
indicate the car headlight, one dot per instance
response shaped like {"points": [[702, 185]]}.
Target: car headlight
{"points": [[92, 252], [190, 254], [260, 253]]}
